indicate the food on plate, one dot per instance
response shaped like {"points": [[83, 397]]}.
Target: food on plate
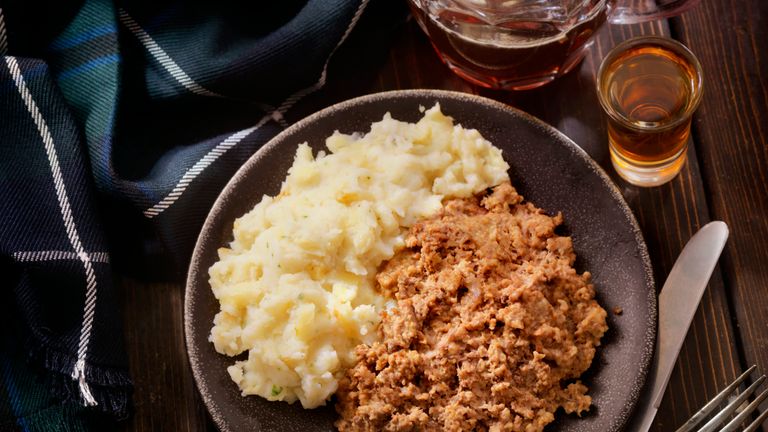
{"points": [[492, 327], [296, 285]]}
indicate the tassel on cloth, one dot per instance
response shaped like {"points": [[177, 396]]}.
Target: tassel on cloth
{"points": [[85, 391]]}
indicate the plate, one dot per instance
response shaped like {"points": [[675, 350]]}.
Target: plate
{"points": [[547, 168]]}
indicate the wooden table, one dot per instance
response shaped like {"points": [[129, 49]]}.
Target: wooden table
{"points": [[726, 178]]}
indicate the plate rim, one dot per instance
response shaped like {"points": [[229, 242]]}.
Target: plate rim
{"points": [[393, 95]]}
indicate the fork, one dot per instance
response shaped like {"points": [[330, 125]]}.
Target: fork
{"points": [[714, 423]]}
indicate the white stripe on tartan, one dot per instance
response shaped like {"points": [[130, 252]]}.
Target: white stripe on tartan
{"points": [[288, 103], [199, 166], [3, 36], [58, 255], [78, 372], [162, 57], [276, 115]]}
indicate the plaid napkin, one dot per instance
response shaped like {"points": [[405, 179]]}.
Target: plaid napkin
{"points": [[119, 125]]}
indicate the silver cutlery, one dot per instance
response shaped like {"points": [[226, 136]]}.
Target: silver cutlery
{"points": [[737, 402], [678, 301]]}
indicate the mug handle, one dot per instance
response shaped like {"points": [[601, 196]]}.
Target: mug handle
{"points": [[637, 11]]}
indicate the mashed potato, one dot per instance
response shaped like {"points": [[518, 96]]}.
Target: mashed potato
{"points": [[296, 285]]}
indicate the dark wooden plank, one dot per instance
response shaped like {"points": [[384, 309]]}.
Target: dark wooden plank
{"points": [[165, 397], [730, 39]]}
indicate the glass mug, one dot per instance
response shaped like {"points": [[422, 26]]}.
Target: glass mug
{"points": [[523, 44]]}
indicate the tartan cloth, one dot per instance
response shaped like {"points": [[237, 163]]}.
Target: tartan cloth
{"points": [[119, 125]]}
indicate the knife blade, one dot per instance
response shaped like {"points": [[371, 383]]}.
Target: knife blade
{"points": [[678, 301]]}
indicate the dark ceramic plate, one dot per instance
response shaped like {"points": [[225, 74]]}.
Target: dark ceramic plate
{"points": [[546, 167]]}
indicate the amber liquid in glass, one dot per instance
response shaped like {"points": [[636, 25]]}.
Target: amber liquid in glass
{"points": [[515, 55], [650, 89]]}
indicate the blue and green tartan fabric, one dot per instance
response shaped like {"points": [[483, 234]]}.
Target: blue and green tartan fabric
{"points": [[119, 125]]}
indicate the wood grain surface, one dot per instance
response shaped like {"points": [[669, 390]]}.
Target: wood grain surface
{"points": [[725, 179], [731, 132]]}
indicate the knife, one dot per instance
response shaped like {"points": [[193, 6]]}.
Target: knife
{"points": [[678, 302]]}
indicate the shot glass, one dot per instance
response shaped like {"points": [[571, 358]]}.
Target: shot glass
{"points": [[649, 87]]}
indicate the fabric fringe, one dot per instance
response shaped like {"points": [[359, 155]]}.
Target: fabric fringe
{"points": [[63, 363], [85, 389], [110, 388], [115, 401]]}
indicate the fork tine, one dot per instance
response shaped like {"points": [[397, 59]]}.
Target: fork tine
{"points": [[756, 424], [739, 419], [718, 419], [714, 403]]}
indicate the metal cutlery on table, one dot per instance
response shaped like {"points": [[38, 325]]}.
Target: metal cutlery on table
{"points": [[678, 302], [733, 406]]}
